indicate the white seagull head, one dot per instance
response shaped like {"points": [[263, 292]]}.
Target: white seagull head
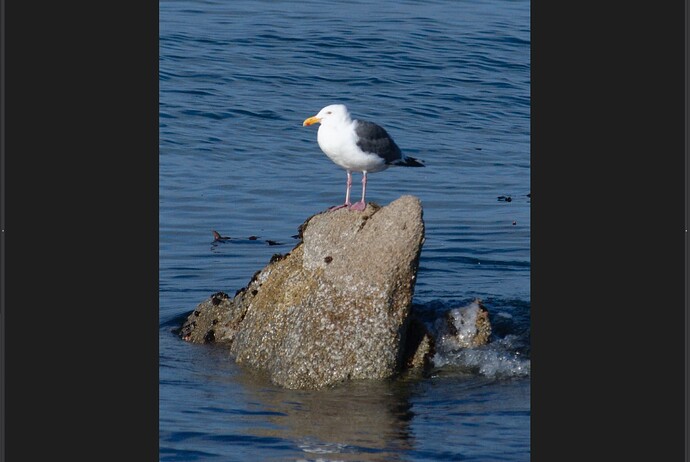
{"points": [[332, 114]]}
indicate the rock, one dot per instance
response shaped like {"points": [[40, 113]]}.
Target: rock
{"points": [[419, 345], [464, 327], [213, 321], [460, 328], [334, 308]]}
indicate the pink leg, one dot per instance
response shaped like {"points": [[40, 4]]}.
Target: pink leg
{"points": [[347, 193], [349, 186], [361, 205]]}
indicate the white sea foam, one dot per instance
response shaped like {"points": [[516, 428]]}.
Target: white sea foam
{"points": [[496, 359], [499, 358]]}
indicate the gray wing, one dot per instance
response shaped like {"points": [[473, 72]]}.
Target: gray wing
{"points": [[374, 139]]}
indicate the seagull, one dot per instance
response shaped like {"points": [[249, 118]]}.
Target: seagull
{"points": [[356, 146]]}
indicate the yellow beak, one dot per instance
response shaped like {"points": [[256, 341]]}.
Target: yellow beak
{"points": [[311, 121]]}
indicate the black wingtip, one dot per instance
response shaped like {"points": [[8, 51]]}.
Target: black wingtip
{"points": [[412, 162]]}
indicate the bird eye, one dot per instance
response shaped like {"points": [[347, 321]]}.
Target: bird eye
{"points": [[328, 112]]}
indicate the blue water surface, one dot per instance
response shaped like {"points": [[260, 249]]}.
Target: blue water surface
{"points": [[450, 81]]}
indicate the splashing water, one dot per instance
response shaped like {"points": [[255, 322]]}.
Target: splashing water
{"points": [[456, 333]]}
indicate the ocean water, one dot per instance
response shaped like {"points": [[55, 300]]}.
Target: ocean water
{"points": [[450, 81]]}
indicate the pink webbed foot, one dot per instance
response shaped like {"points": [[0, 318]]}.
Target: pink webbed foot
{"points": [[359, 206]]}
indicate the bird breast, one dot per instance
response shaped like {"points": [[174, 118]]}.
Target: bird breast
{"points": [[341, 147]]}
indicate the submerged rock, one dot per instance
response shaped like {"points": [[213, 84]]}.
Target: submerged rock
{"points": [[334, 308], [463, 327]]}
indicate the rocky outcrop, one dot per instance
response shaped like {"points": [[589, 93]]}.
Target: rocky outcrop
{"points": [[334, 308], [337, 306]]}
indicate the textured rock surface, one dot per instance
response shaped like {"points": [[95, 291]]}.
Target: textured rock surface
{"points": [[334, 308], [419, 345]]}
